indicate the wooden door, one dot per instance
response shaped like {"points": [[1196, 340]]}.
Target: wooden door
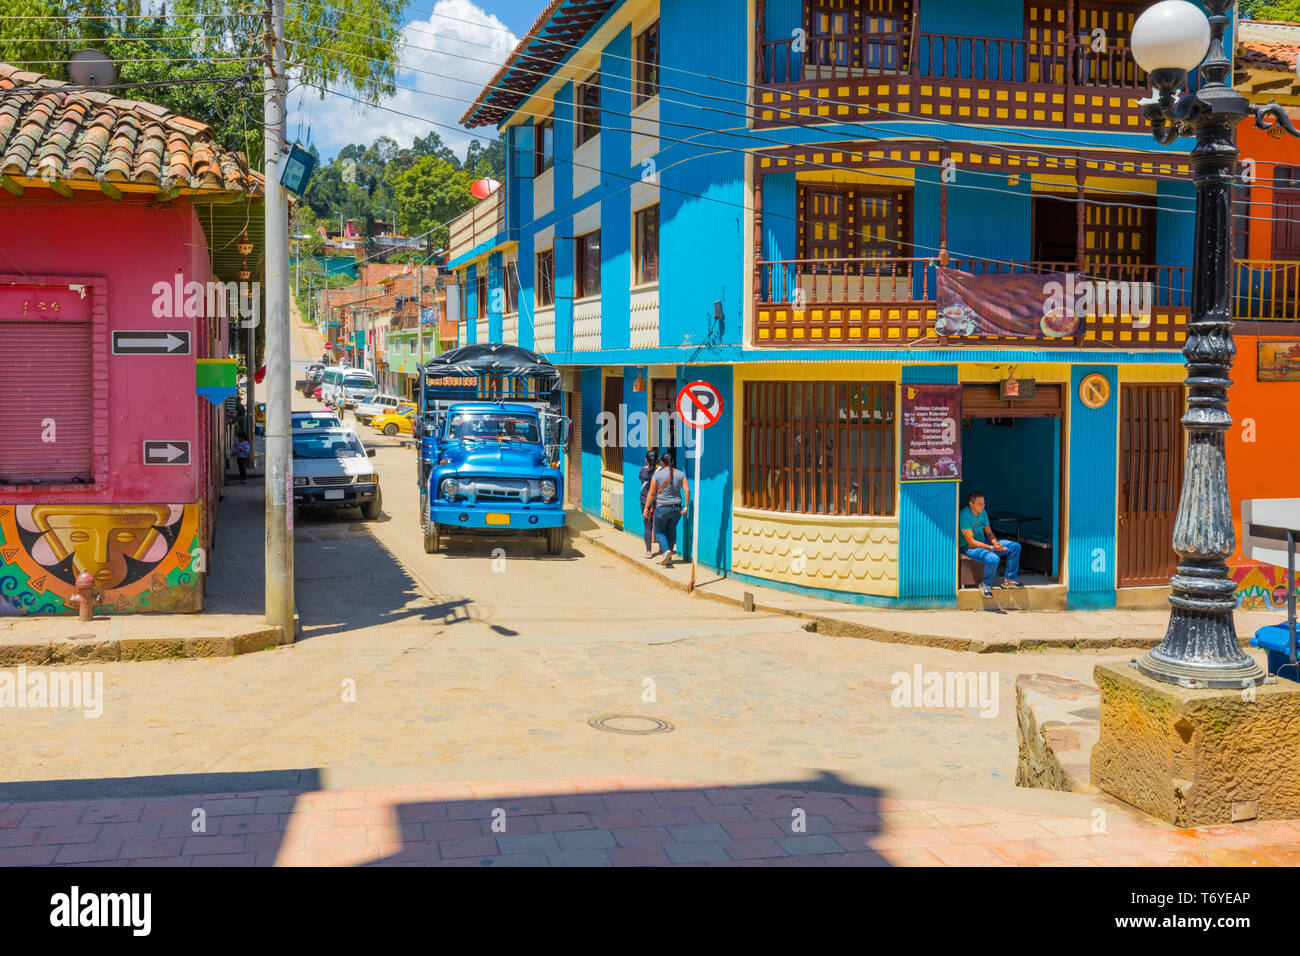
{"points": [[1286, 205], [1150, 482]]}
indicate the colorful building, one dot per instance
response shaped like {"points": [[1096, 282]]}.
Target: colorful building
{"points": [[1263, 458], [855, 219], [126, 231]]}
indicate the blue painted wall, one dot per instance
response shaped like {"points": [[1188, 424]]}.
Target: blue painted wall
{"points": [[780, 231], [633, 454], [927, 521], [1093, 470], [1175, 234], [616, 208], [702, 245], [496, 295], [469, 304], [713, 496], [592, 403]]}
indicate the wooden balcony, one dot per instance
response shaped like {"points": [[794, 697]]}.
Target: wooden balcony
{"points": [[971, 79], [1266, 290], [893, 302]]}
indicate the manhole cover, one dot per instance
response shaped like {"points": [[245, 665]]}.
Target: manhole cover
{"points": [[631, 724]]}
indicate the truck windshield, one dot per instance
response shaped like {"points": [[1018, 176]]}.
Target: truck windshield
{"points": [[318, 445], [492, 426]]}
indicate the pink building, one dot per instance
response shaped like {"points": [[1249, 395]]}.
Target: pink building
{"points": [[110, 463]]}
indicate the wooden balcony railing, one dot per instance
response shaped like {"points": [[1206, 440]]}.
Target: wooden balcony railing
{"points": [[1267, 290], [947, 56], [885, 301]]}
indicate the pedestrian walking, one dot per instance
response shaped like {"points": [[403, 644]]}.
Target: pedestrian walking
{"points": [[667, 500], [647, 474], [242, 451]]}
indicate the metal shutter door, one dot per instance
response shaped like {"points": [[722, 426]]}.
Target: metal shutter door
{"points": [[46, 375]]}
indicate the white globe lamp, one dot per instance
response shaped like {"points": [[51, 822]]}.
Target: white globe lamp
{"points": [[1171, 35]]}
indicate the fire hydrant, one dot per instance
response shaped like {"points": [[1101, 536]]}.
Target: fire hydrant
{"points": [[86, 597]]}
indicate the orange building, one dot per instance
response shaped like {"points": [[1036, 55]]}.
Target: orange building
{"points": [[1262, 451]]}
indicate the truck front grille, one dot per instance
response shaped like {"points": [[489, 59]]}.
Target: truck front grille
{"points": [[333, 480]]}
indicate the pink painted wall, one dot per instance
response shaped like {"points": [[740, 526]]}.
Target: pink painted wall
{"points": [[131, 246]]}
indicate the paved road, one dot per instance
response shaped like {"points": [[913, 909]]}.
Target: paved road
{"points": [[487, 664]]}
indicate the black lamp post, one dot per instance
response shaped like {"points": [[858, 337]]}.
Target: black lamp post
{"points": [[1201, 648]]}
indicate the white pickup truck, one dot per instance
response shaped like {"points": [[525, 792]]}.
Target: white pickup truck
{"points": [[332, 469]]}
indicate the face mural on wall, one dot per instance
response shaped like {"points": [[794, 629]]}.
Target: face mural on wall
{"points": [[140, 556]]}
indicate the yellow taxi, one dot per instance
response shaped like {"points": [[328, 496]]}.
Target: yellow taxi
{"points": [[400, 421]]}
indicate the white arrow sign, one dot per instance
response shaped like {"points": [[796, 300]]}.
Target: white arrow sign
{"points": [[151, 342], [166, 453]]}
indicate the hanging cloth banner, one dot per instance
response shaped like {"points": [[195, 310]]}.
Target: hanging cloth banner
{"points": [[1015, 305]]}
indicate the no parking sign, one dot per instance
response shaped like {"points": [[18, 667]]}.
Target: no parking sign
{"points": [[699, 404]]}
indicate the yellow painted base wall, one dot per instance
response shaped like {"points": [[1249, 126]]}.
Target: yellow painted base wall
{"points": [[856, 555]]}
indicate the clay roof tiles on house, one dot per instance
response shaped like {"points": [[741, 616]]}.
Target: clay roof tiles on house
{"points": [[57, 132]]}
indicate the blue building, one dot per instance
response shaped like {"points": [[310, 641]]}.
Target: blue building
{"points": [[820, 207]]}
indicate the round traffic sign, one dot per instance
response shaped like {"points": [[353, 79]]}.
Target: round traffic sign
{"points": [[329, 346], [699, 404]]}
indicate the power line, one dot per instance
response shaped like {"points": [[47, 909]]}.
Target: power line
{"points": [[1156, 205]]}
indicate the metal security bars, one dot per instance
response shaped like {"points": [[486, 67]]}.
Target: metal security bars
{"points": [[822, 448]]}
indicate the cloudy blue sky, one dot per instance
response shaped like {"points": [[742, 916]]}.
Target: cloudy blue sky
{"points": [[451, 48]]}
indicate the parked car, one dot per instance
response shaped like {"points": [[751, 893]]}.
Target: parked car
{"points": [[378, 405], [314, 420], [316, 393], [332, 469], [400, 421], [308, 385]]}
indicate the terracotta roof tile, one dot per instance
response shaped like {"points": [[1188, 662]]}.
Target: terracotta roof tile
{"points": [[64, 133]]}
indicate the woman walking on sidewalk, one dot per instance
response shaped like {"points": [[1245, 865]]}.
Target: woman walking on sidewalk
{"points": [[647, 474], [667, 500], [242, 451]]}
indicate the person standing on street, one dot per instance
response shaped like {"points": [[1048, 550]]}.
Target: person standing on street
{"points": [[647, 475], [242, 451], [667, 501]]}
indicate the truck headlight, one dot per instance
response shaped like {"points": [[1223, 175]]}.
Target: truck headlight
{"points": [[299, 482], [449, 487], [547, 488]]}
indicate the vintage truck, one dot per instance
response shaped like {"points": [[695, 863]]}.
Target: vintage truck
{"points": [[491, 436]]}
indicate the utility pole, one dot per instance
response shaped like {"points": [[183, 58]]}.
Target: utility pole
{"points": [[419, 320], [279, 441]]}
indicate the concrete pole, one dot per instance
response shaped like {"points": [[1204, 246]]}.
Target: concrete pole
{"points": [[279, 383], [419, 317]]}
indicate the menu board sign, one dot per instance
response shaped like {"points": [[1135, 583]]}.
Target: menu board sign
{"points": [[931, 432]]}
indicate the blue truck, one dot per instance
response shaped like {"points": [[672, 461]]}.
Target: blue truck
{"points": [[491, 436]]}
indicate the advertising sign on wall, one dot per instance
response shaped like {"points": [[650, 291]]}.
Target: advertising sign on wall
{"points": [[931, 433]]}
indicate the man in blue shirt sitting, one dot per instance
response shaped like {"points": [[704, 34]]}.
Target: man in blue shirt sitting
{"points": [[976, 540]]}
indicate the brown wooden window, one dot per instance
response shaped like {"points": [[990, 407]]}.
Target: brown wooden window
{"points": [[819, 447], [645, 244], [647, 64], [846, 38], [481, 297], [612, 453], [587, 102], [587, 264], [543, 145], [1286, 218], [545, 283], [854, 222]]}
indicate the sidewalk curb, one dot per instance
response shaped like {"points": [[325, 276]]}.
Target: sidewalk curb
{"points": [[140, 648], [835, 627]]}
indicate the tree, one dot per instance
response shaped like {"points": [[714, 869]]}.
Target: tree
{"points": [[350, 43], [429, 195], [1288, 10], [487, 161]]}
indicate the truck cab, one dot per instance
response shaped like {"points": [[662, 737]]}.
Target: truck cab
{"points": [[495, 470]]}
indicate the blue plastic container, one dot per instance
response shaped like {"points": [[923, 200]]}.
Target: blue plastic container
{"points": [[1275, 639]]}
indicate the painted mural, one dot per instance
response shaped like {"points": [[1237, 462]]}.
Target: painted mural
{"points": [[1260, 587], [142, 557]]}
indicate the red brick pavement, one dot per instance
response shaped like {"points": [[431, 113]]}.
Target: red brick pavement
{"points": [[619, 821]]}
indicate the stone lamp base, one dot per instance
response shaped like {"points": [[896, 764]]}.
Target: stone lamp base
{"points": [[1198, 757]]}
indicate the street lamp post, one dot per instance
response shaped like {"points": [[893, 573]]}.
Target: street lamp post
{"points": [[1201, 648]]}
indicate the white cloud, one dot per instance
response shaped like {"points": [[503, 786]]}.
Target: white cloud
{"points": [[465, 51]]}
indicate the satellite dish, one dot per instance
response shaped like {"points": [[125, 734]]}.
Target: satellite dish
{"points": [[482, 188], [92, 68]]}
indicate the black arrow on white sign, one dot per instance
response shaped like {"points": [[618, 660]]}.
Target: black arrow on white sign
{"points": [[166, 453], [151, 342]]}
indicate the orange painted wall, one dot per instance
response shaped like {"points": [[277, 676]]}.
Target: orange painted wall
{"points": [[1266, 151], [1268, 467]]}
